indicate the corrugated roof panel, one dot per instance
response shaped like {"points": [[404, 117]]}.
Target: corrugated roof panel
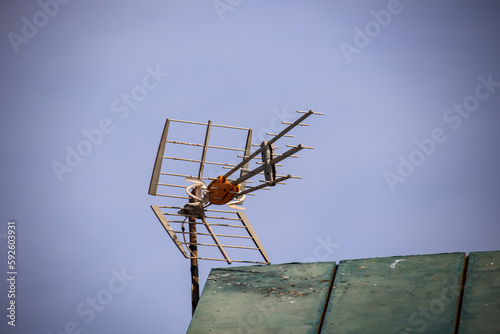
{"points": [[285, 298], [402, 294], [481, 303]]}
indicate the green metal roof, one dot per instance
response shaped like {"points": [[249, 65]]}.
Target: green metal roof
{"points": [[286, 298], [436, 293], [402, 294], [481, 303]]}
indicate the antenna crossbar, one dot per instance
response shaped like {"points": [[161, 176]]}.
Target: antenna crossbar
{"points": [[221, 247], [211, 224], [240, 261], [224, 218], [217, 125], [172, 196], [199, 161], [225, 225], [218, 235], [171, 185], [208, 146]]}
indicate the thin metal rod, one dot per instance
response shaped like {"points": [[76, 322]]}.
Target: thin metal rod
{"points": [[169, 207], [306, 147], [254, 236], [215, 210], [275, 134], [225, 218], [292, 176], [273, 162], [243, 163], [209, 229], [211, 224], [233, 236], [198, 244], [310, 111], [171, 185], [182, 221], [281, 134], [291, 126], [230, 127], [248, 148], [275, 146], [174, 174], [189, 122], [217, 235], [169, 229], [209, 146], [226, 225], [153, 186], [240, 247], [221, 248], [185, 175], [173, 196], [200, 123], [199, 161], [275, 182], [241, 261], [288, 123], [176, 214], [261, 163], [204, 154], [246, 191]]}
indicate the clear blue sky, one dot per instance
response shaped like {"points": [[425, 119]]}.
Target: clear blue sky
{"points": [[406, 157]]}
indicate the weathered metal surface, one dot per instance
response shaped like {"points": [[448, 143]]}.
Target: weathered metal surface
{"points": [[285, 298], [403, 294], [481, 302]]}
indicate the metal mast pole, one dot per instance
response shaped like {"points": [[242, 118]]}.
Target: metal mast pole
{"points": [[193, 248], [193, 239]]}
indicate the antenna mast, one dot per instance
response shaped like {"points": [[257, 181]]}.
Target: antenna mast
{"points": [[220, 191]]}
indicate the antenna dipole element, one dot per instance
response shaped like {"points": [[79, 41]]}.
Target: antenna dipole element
{"points": [[275, 138]]}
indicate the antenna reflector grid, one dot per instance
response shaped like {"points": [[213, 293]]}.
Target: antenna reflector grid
{"points": [[217, 232]]}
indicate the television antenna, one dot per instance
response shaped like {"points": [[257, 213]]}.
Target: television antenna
{"points": [[203, 192]]}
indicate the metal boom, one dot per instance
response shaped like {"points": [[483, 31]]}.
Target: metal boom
{"points": [[273, 140]]}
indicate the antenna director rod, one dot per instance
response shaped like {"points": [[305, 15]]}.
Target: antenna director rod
{"points": [[291, 126], [281, 134], [263, 185], [241, 164], [273, 162]]}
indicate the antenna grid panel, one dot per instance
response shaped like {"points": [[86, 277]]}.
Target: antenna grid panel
{"points": [[220, 228]]}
